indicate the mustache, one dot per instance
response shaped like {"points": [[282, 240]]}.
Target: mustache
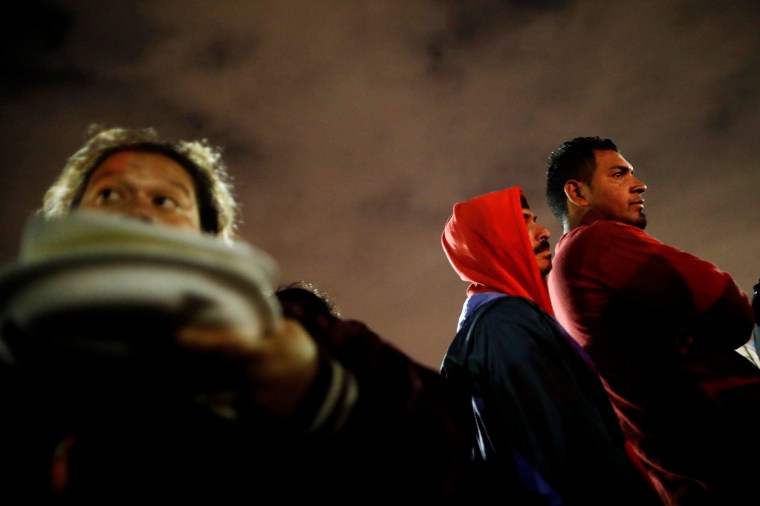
{"points": [[541, 247]]}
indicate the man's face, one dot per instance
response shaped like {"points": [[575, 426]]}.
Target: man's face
{"points": [[539, 241], [614, 192], [147, 186]]}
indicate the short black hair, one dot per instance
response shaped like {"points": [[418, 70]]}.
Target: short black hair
{"points": [[574, 159]]}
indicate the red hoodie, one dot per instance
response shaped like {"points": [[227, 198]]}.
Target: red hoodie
{"points": [[486, 241]]}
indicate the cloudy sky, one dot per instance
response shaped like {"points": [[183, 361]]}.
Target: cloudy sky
{"points": [[352, 126]]}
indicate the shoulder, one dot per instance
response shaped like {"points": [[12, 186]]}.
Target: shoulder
{"points": [[605, 228], [511, 311], [508, 312], [610, 234], [513, 329]]}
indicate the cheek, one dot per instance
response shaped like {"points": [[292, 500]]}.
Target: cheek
{"points": [[92, 205], [607, 200], [86, 200], [187, 219]]}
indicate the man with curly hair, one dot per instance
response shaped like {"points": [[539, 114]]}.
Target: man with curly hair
{"points": [[217, 208], [322, 407]]}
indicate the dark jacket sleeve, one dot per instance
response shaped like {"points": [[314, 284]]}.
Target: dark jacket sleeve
{"points": [[402, 423], [542, 412]]}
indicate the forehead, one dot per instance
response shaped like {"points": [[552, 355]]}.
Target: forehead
{"points": [[143, 165], [608, 159]]}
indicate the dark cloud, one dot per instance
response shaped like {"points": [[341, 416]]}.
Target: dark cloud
{"points": [[32, 36], [470, 23], [223, 53], [732, 96]]}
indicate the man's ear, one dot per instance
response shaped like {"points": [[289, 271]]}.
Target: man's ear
{"points": [[575, 193]]}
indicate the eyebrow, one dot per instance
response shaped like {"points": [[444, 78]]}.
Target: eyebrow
{"points": [[99, 173]]}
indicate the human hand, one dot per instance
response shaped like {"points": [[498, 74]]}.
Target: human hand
{"points": [[233, 369]]}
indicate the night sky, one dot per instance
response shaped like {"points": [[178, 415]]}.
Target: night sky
{"points": [[352, 127]]}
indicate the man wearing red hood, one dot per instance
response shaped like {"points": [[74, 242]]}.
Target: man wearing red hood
{"points": [[544, 430]]}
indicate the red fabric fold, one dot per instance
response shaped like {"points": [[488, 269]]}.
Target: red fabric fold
{"points": [[486, 241]]}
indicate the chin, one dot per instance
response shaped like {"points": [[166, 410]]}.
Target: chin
{"points": [[639, 221]]}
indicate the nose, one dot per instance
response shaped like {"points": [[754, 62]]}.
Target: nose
{"points": [[140, 208], [540, 232], [639, 186]]}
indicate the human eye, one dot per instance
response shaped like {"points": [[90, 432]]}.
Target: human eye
{"points": [[106, 196], [166, 202], [619, 174]]}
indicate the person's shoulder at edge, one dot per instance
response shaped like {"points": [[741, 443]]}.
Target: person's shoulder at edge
{"points": [[607, 226], [605, 230], [513, 310]]}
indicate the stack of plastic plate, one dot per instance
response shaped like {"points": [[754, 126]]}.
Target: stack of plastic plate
{"points": [[92, 285]]}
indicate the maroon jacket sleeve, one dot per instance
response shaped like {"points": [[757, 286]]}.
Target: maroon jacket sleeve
{"points": [[715, 312]]}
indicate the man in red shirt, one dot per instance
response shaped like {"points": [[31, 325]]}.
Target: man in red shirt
{"points": [[661, 326]]}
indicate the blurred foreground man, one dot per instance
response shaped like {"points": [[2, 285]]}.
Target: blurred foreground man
{"points": [[183, 407]]}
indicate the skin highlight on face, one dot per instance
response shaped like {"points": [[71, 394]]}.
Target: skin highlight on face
{"points": [[146, 186], [614, 192]]}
